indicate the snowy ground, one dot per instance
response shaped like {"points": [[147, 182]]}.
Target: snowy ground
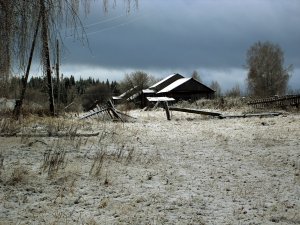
{"points": [[190, 170]]}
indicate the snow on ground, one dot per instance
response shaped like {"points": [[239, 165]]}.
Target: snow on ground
{"points": [[190, 170]]}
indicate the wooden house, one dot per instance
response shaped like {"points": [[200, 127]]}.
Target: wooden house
{"points": [[173, 86], [152, 90], [178, 87], [186, 89]]}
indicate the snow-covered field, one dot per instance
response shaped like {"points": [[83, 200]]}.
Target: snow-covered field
{"points": [[190, 170]]}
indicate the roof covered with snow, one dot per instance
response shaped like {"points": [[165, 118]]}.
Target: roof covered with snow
{"points": [[148, 91], [160, 99], [166, 81], [174, 85]]}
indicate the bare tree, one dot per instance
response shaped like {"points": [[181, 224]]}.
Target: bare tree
{"points": [[196, 76], [138, 80], [99, 94], [6, 33], [235, 91], [267, 75], [19, 102], [216, 87], [18, 22]]}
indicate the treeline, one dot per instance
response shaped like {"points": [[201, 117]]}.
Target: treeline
{"points": [[68, 90]]}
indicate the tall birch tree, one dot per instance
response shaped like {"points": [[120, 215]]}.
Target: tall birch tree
{"points": [[18, 24]]}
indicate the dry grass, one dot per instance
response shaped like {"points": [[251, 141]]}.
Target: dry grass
{"points": [[19, 175], [218, 103], [54, 160], [154, 171], [121, 153], [9, 126], [97, 164]]}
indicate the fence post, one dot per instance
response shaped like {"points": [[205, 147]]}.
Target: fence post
{"points": [[167, 110]]}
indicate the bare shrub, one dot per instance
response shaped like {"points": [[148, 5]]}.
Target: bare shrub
{"points": [[54, 127], [233, 103], [35, 99], [9, 127], [99, 93], [34, 110], [18, 175], [234, 92]]}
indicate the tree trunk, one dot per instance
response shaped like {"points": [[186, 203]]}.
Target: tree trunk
{"points": [[19, 102], [46, 56], [57, 73]]}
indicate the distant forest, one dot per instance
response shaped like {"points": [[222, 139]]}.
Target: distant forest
{"points": [[67, 91]]}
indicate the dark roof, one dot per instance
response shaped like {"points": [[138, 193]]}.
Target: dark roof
{"points": [[166, 81], [186, 85]]}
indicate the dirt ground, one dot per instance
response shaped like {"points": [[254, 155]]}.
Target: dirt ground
{"points": [[190, 170]]}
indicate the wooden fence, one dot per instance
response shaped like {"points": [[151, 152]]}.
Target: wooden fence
{"points": [[276, 101], [108, 109]]}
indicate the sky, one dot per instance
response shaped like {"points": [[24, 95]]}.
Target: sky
{"points": [[162, 37]]}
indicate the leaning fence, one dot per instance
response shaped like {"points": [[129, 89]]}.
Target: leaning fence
{"points": [[276, 101]]}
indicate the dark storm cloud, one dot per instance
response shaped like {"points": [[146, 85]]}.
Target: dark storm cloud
{"points": [[190, 33], [187, 34]]}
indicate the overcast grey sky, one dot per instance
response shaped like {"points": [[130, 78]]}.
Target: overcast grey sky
{"points": [[167, 36]]}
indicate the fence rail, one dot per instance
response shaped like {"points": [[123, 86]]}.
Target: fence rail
{"points": [[276, 101]]}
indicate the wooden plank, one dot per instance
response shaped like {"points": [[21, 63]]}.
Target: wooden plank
{"points": [[196, 111], [113, 110], [262, 114], [93, 113], [46, 134], [156, 105], [98, 108], [111, 116], [250, 115]]}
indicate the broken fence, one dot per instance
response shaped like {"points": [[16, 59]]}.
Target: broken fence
{"points": [[276, 101], [107, 110]]}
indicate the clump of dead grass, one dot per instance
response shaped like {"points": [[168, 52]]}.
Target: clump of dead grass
{"points": [[19, 175], [54, 160], [13, 176], [97, 163], [9, 127]]}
